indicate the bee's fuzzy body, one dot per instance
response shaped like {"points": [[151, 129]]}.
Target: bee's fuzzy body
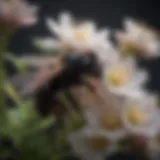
{"points": [[75, 67]]}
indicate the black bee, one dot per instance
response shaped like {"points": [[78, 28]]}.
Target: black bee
{"points": [[53, 78]]}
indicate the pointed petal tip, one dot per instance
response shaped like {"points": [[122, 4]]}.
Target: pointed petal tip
{"points": [[49, 20], [65, 13], [128, 20]]}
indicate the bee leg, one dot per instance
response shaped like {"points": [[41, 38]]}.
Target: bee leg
{"points": [[62, 109], [44, 101], [72, 99], [47, 103], [60, 112]]}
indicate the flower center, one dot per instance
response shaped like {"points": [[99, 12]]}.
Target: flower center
{"points": [[78, 35], [127, 50], [136, 115], [97, 142], [118, 76]]}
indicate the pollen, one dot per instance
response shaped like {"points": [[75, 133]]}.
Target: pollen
{"points": [[136, 115], [130, 49], [79, 35], [127, 50], [118, 76]]}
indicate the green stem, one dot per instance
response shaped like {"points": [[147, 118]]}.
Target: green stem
{"points": [[4, 37], [2, 79], [10, 92]]}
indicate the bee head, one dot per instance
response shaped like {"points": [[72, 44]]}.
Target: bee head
{"points": [[83, 64]]}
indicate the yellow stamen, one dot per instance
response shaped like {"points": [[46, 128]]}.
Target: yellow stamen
{"points": [[136, 115], [127, 50], [79, 35], [118, 76]]}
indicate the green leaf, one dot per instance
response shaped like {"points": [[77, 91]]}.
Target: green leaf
{"points": [[45, 123], [14, 117], [10, 91], [20, 65], [28, 112], [73, 123], [4, 154]]}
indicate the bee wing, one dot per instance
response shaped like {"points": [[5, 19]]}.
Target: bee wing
{"points": [[20, 80], [37, 61], [30, 82], [110, 102]]}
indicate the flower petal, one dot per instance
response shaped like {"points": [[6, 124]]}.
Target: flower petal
{"points": [[139, 79], [77, 140], [131, 26], [65, 20], [81, 149], [53, 26], [154, 49], [103, 34], [150, 127], [48, 44]]}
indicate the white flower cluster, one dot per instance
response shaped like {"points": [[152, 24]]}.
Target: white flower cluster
{"points": [[120, 106]]}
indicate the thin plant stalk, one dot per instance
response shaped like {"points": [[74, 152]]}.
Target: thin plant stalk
{"points": [[12, 94], [4, 34]]}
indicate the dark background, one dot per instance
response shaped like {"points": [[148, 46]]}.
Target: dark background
{"points": [[108, 13]]}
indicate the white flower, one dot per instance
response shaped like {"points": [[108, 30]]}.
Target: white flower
{"points": [[108, 54], [141, 37], [17, 13], [124, 79], [82, 36], [90, 144], [141, 115], [97, 117], [110, 125]]}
